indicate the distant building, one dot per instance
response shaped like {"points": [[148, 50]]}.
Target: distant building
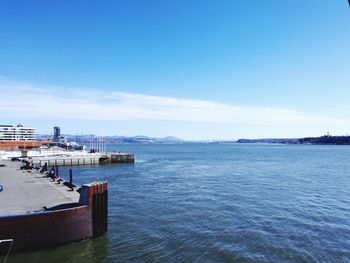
{"points": [[16, 133], [56, 134]]}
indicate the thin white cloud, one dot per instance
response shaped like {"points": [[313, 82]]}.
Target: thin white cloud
{"points": [[27, 101]]}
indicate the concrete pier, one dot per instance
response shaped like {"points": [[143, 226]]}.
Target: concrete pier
{"points": [[38, 209], [88, 159], [26, 191], [117, 158], [67, 160]]}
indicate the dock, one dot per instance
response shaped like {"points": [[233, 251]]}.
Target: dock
{"points": [[38, 209], [67, 160], [57, 156], [88, 159], [27, 191]]}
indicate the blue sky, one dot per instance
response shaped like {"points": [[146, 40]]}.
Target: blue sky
{"points": [[193, 69]]}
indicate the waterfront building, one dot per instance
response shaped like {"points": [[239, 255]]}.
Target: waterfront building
{"points": [[16, 133], [56, 134]]}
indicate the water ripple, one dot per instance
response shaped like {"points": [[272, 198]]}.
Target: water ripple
{"points": [[220, 203]]}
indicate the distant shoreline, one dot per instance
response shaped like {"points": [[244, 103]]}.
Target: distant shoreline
{"points": [[323, 140], [128, 140]]}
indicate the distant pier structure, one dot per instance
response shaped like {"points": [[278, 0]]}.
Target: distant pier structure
{"points": [[117, 158], [87, 159], [19, 142]]}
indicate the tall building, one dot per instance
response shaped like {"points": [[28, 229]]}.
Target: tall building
{"points": [[56, 134], [16, 133]]}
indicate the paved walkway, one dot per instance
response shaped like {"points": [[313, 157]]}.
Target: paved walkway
{"points": [[26, 191]]}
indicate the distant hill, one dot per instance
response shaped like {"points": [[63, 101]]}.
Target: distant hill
{"points": [[269, 140], [326, 140], [323, 140]]}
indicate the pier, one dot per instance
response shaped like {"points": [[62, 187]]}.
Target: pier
{"points": [[26, 191], [88, 159], [67, 160], [39, 209], [117, 158]]}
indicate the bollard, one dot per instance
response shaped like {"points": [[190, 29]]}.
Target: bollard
{"points": [[70, 176]]}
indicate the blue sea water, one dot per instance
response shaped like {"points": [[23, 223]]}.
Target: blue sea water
{"points": [[219, 203]]}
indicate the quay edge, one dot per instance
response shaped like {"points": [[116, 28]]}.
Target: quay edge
{"points": [[63, 223]]}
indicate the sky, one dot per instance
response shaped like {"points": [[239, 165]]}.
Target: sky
{"points": [[197, 70]]}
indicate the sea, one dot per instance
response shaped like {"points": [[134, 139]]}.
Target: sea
{"points": [[218, 203]]}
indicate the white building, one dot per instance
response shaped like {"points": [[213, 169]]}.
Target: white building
{"points": [[16, 133]]}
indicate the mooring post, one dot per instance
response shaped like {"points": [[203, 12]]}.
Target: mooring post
{"points": [[70, 176]]}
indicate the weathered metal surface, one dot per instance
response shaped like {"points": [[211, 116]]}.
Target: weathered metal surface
{"points": [[44, 229], [117, 158]]}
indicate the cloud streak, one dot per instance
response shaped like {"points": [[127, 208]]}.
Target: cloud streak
{"points": [[27, 101]]}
